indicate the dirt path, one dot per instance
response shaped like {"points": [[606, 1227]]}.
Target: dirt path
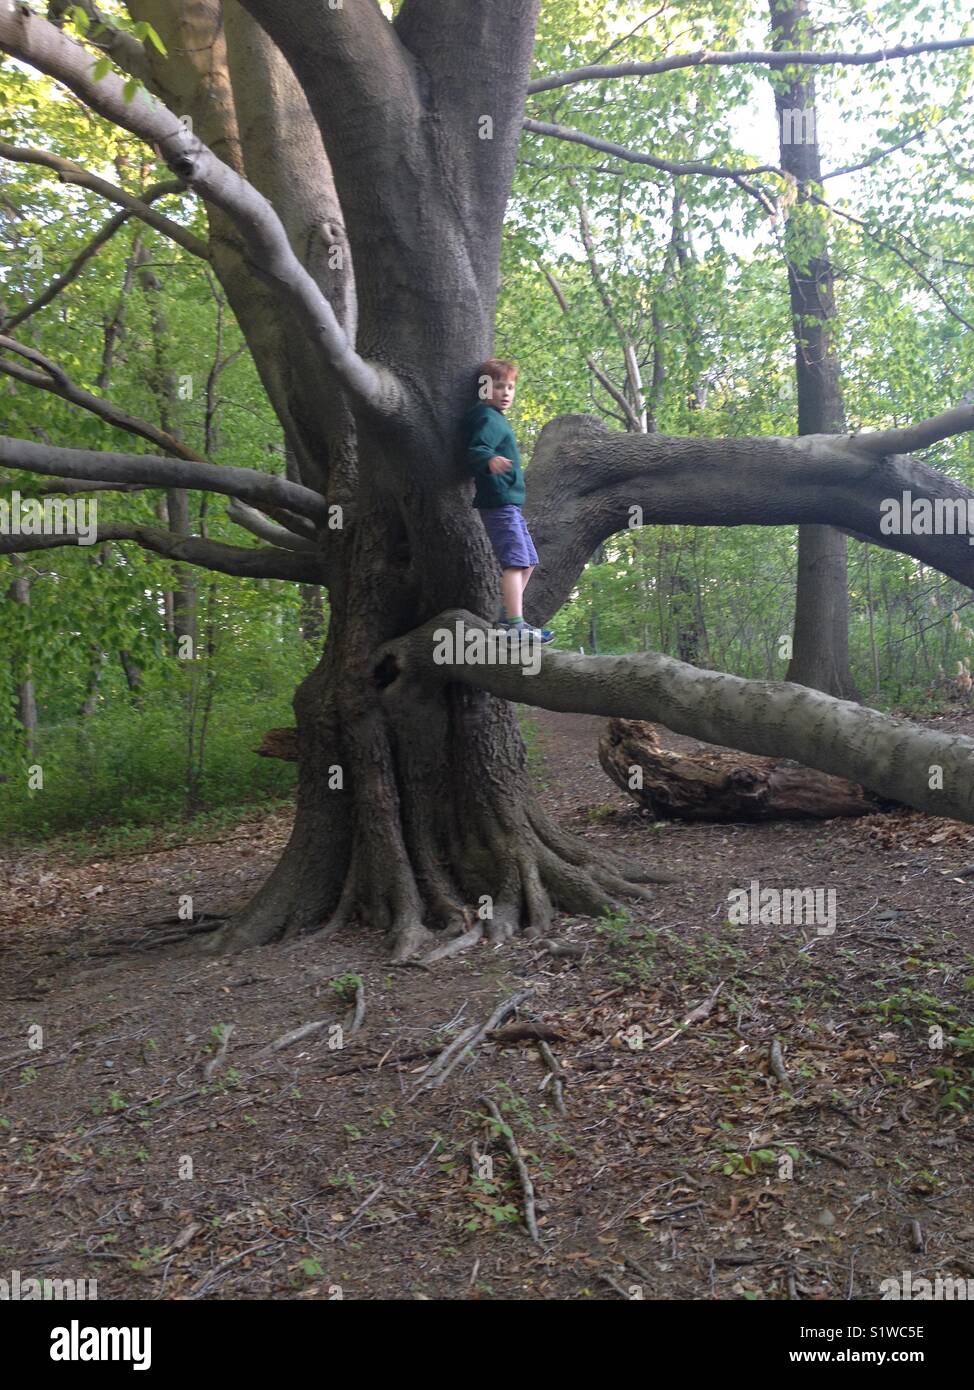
{"points": [[688, 1163]]}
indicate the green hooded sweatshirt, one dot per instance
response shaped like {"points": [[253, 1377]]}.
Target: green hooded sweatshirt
{"points": [[486, 433]]}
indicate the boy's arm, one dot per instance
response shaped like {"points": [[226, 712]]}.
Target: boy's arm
{"points": [[482, 439]]}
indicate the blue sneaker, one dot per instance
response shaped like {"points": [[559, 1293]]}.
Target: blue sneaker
{"points": [[542, 634]]}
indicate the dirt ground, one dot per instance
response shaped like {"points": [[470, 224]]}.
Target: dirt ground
{"points": [[802, 1137]]}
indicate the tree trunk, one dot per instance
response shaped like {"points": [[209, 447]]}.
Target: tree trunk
{"points": [[820, 654], [416, 815], [19, 592], [181, 600]]}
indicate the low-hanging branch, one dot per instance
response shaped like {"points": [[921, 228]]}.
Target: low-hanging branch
{"points": [[101, 466], [897, 760], [24, 35], [259, 563]]}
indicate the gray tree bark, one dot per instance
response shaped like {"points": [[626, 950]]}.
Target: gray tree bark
{"points": [[820, 653]]}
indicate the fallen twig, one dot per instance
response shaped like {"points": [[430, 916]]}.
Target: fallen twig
{"points": [[357, 1016], [439, 1069], [527, 1187], [286, 1039], [356, 1214], [697, 1016], [526, 1032], [555, 1076], [777, 1062], [217, 1061]]}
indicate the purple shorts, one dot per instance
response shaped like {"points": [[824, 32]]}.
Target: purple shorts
{"points": [[509, 535]]}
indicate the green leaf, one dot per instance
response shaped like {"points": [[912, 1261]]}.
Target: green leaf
{"points": [[155, 40]]}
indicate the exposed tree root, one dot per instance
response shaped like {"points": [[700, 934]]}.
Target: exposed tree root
{"points": [[531, 871]]}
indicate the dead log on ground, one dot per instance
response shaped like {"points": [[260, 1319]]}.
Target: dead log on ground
{"points": [[720, 784]]}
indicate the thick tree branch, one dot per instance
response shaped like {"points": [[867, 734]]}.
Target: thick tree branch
{"points": [[441, 37], [62, 487], [891, 757], [585, 483], [920, 436], [246, 483], [261, 563], [703, 58], [362, 88], [40, 44], [69, 172], [258, 525]]}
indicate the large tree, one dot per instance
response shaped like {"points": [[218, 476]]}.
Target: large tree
{"points": [[355, 172]]}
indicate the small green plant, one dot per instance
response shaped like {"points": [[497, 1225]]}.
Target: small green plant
{"points": [[345, 987], [913, 1007], [346, 1180], [957, 1078], [147, 1257]]}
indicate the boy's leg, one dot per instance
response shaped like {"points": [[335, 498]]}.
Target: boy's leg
{"points": [[525, 576], [546, 632], [512, 589]]}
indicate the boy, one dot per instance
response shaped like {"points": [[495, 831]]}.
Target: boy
{"points": [[493, 456]]}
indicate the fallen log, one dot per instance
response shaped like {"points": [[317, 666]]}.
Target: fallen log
{"points": [[721, 784]]}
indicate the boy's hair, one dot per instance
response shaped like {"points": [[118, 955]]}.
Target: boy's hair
{"points": [[496, 368]]}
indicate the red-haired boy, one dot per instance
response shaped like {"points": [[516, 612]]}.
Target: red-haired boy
{"points": [[495, 461]]}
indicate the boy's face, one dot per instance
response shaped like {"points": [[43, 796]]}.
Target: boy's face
{"points": [[502, 392]]}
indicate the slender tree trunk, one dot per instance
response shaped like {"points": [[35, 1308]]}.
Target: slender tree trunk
{"points": [[820, 654], [173, 510], [19, 593], [133, 675]]}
